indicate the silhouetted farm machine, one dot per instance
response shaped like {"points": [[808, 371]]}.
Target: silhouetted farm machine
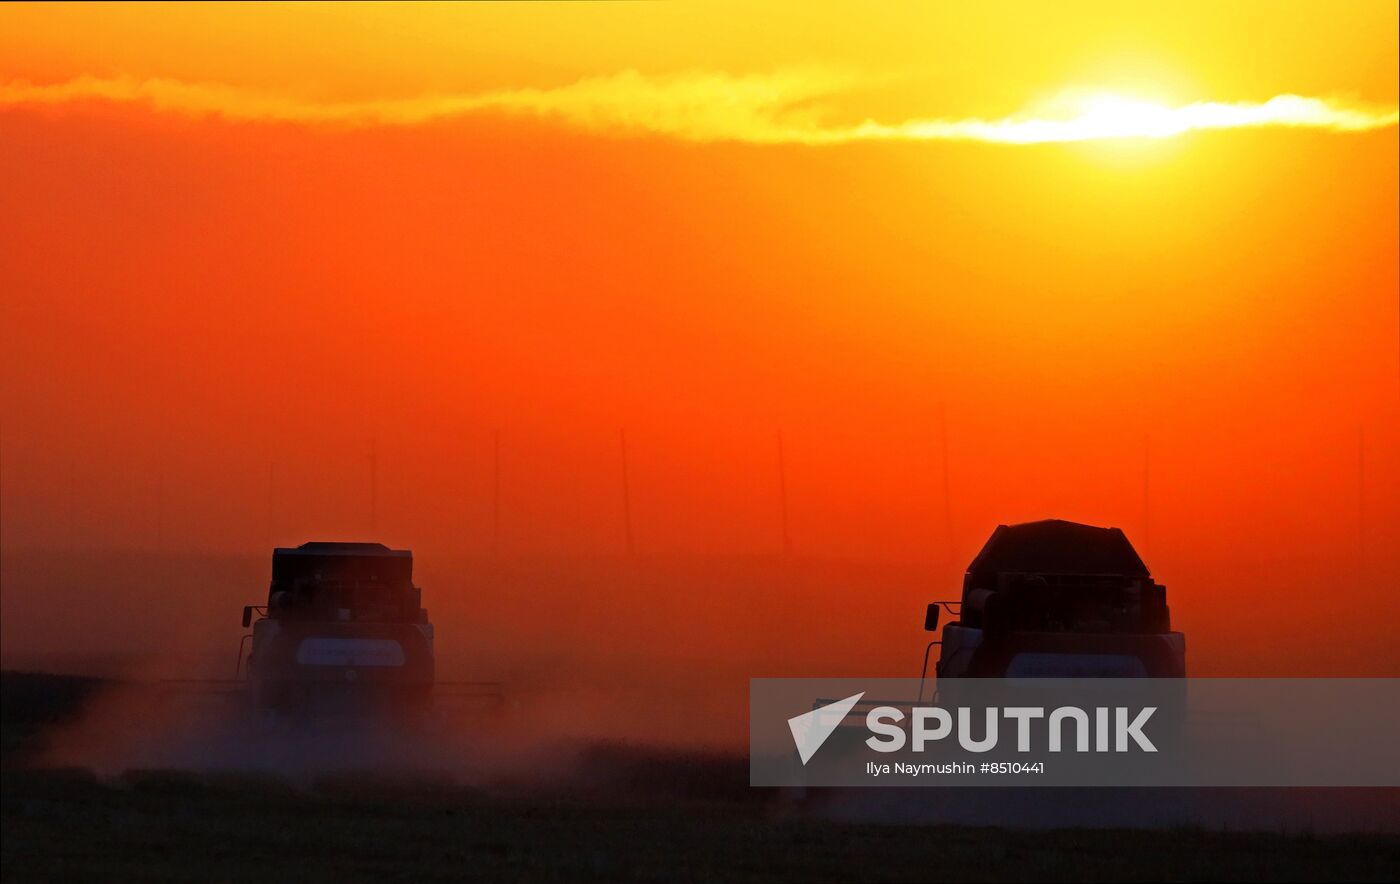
{"points": [[342, 638], [1057, 599]]}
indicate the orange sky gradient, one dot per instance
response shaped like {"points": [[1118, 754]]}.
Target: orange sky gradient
{"points": [[210, 268]]}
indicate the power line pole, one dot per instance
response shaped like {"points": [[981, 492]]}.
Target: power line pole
{"points": [[496, 497], [2, 506], [626, 496], [1147, 494], [72, 504], [374, 487], [783, 498], [1361, 501], [160, 511], [271, 501], [947, 484]]}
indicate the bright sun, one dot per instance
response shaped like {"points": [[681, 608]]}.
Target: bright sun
{"points": [[1113, 116]]}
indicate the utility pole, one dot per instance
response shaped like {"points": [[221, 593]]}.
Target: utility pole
{"points": [[783, 498], [271, 501], [2, 506], [947, 484], [373, 487], [1147, 494], [72, 504], [496, 497], [160, 511], [626, 497], [1361, 501]]}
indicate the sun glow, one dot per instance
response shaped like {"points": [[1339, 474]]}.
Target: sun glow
{"points": [[1108, 116], [1114, 116], [780, 107]]}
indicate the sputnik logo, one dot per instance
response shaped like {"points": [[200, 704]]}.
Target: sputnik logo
{"points": [[811, 729]]}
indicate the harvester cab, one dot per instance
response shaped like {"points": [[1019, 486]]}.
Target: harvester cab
{"points": [[343, 632], [1056, 599]]}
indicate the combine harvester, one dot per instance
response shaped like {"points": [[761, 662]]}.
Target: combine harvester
{"points": [[336, 674], [1057, 599], [1047, 599], [344, 636], [343, 640]]}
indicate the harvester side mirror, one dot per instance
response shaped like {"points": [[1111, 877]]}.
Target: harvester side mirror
{"points": [[931, 618], [247, 615]]}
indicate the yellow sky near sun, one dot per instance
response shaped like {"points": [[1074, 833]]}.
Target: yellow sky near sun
{"points": [[1014, 72], [782, 108]]}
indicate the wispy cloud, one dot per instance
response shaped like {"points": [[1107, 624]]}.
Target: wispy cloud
{"points": [[787, 107]]}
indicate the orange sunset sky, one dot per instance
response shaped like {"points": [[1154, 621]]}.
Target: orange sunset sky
{"points": [[1135, 264]]}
